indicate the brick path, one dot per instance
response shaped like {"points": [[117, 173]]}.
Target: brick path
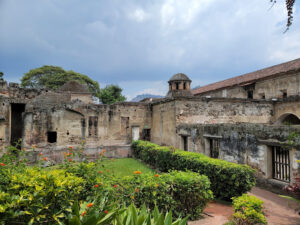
{"points": [[278, 210]]}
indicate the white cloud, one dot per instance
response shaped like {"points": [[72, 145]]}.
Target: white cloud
{"points": [[139, 15]]}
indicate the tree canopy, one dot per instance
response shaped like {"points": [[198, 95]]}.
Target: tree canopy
{"points": [[1, 75], [53, 77], [111, 94]]}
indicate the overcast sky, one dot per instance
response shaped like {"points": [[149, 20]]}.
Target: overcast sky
{"points": [[140, 44]]}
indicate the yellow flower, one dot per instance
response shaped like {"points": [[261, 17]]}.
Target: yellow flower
{"points": [[156, 185]]}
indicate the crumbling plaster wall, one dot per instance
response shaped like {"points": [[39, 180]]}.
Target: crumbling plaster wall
{"points": [[269, 87], [211, 111], [99, 126], [288, 106], [4, 122], [168, 114], [243, 143], [163, 123]]}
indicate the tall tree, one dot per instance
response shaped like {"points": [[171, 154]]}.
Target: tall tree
{"points": [[111, 94], [1, 75], [53, 77]]}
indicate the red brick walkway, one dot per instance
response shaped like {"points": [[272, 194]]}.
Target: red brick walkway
{"points": [[278, 210]]}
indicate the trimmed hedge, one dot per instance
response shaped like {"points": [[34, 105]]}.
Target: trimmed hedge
{"points": [[183, 193], [227, 179]]}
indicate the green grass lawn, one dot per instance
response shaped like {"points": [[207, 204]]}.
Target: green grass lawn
{"points": [[124, 167]]}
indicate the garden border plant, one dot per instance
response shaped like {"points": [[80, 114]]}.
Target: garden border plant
{"points": [[227, 179]]}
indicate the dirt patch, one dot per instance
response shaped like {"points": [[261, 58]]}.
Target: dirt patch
{"points": [[215, 214], [278, 210]]}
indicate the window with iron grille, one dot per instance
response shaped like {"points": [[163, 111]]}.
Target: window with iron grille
{"points": [[281, 163], [214, 145]]}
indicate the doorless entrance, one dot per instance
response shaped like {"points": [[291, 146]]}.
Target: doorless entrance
{"points": [[16, 123]]}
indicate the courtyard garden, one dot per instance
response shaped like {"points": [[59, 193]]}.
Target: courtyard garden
{"points": [[160, 185]]}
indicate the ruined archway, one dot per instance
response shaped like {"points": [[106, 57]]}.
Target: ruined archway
{"points": [[288, 119]]}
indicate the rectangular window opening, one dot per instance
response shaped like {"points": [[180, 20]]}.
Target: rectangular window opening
{"points": [[281, 164], [185, 142], [284, 94], [147, 134], [250, 94], [52, 136], [262, 96], [214, 147]]}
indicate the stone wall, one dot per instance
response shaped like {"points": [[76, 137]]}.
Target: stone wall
{"points": [[163, 130], [268, 88], [211, 111], [169, 113], [99, 126], [244, 143]]}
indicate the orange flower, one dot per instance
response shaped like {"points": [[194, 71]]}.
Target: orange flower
{"points": [[33, 146], [136, 190], [105, 211], [103, 150], [45, 159], [70, 160], [83, 213], [112, 159], [71, 148], [40, 154], [156, 185], [107, 171], [100, 172], [156, 175], [96, 185], [2, 164], [132, 197], [137, 172], [115, 186], [89, 205]]}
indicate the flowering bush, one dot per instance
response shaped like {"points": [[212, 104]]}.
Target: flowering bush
{"points": [[185, 193], [37, 196], [247, 210]]}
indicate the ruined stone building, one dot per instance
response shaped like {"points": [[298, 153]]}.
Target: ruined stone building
{"points": [[245, 119]]}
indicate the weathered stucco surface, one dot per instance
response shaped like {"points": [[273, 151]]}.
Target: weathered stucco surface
{"points": [[241, 130], [244, 143]]}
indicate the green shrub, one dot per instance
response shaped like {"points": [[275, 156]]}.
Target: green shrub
{"points": [[227, 179], [86, 171], [37, 196], [183, 193], [248, 210]]}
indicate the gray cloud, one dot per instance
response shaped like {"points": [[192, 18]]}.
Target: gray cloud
{"points": [[142, 43]]}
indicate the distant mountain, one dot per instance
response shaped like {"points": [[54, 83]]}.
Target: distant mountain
{"points": [[198, 86], [141, 97]]}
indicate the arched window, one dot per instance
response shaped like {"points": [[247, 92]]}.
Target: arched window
{"points": [[288, 119]]}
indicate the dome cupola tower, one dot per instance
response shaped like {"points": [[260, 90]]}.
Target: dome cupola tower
{"points": [[179, 85]]}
